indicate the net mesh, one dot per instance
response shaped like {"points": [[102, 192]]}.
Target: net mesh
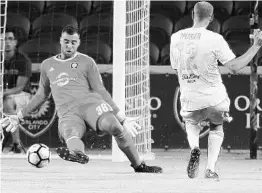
{"points": [[137, 85], [38, 37], [2, 45]]}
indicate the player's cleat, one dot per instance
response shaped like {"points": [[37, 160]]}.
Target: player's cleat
{"points": [[193, 164], [73, 156], [143, 168], [211, 175]]}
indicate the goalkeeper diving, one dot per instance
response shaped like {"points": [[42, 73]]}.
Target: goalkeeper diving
{"points": [[80, 97]]}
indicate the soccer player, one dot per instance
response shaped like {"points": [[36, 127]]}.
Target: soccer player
{"points": [[75, 83], [17, 73], [194, 53]]}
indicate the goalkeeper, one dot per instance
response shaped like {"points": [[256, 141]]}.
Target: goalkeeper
{"points": [[81, 98]]}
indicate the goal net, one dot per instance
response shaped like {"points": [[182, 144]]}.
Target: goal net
{"points": [[2, 45], [111, 32], [131, 81]]}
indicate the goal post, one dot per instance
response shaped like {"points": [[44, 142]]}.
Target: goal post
{"points": [[2, 47], [131, 72]]}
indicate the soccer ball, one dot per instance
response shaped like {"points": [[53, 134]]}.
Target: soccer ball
{"points": [[39, 155]]}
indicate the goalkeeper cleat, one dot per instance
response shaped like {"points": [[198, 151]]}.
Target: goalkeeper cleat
{"points": [[72, 155], [211, 175], [193, 164], [143, 168]]}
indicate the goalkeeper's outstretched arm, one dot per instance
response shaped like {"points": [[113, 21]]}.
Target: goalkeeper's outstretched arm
{"points": [[42, 94]]}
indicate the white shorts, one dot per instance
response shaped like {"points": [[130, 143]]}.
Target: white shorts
{"points": [[21, 99], [215, 114]]}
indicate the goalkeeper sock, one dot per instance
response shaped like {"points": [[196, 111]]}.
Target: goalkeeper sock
{"points": [[215, 141], [74, 143], [193, 135], [126, 144]]}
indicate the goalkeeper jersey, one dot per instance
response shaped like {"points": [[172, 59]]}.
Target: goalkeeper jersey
{"points": [[70, 82]]}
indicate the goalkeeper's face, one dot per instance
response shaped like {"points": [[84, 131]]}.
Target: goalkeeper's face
{"points": [[69, 44]]}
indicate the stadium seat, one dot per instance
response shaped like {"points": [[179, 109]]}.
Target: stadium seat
{"points": [[52, 23], [239, 47], [171, 9], [101, 23], [246, 7], [30, 9], [39, 49], [20, 24], [102, 7], [78, 9], [98, 50], [165, 55], [161, 29], [104, 37], [187, 22], [236, 28], [154, 54], [222, 9]]}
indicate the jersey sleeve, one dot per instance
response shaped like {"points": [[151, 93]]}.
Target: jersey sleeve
{"points": [[24, 66], [174, 54], [41, 95], [223, 52], [96, 83]]}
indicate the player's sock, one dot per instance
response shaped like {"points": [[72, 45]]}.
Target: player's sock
{"points": [[126, 144], [109, 123], [193, 135], [75, 143], [215, 141]]}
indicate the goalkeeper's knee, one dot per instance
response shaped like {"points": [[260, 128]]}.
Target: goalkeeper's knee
{"points": [[108, 123], [68, 131]]}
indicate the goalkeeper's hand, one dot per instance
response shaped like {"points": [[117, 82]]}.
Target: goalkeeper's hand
{"points": [[131, 126], [11, 122]]}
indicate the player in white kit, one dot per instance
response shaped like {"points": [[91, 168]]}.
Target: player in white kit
{"points": [[194, 53]]}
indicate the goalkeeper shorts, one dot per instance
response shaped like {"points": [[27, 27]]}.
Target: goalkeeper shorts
{"points": [[86, 113]]}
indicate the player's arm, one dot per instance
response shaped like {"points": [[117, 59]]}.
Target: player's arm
{"points": [[96, 84], [24, 73], [173, 54], [41, 95], [236, 64]]}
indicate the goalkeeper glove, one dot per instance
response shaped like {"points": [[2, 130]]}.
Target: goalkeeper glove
{"points": [[11, 122], [129, 123]]}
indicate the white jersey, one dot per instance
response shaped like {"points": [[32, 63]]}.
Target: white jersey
{"points": [[194, 53]]}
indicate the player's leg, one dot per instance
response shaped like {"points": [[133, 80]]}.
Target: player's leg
{"points": [[103, 121], [71, 130], [216, 136], [9, 105], [192, 120], [215, 140]]}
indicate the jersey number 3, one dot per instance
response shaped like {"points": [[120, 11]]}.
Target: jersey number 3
{"points": [[103, 108]]}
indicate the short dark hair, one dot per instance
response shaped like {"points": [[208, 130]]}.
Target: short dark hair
{"points": [[69, 29], [10, 30]]}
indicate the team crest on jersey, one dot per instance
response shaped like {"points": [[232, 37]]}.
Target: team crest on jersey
{"points": [[74, 65], [41, 120]]}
